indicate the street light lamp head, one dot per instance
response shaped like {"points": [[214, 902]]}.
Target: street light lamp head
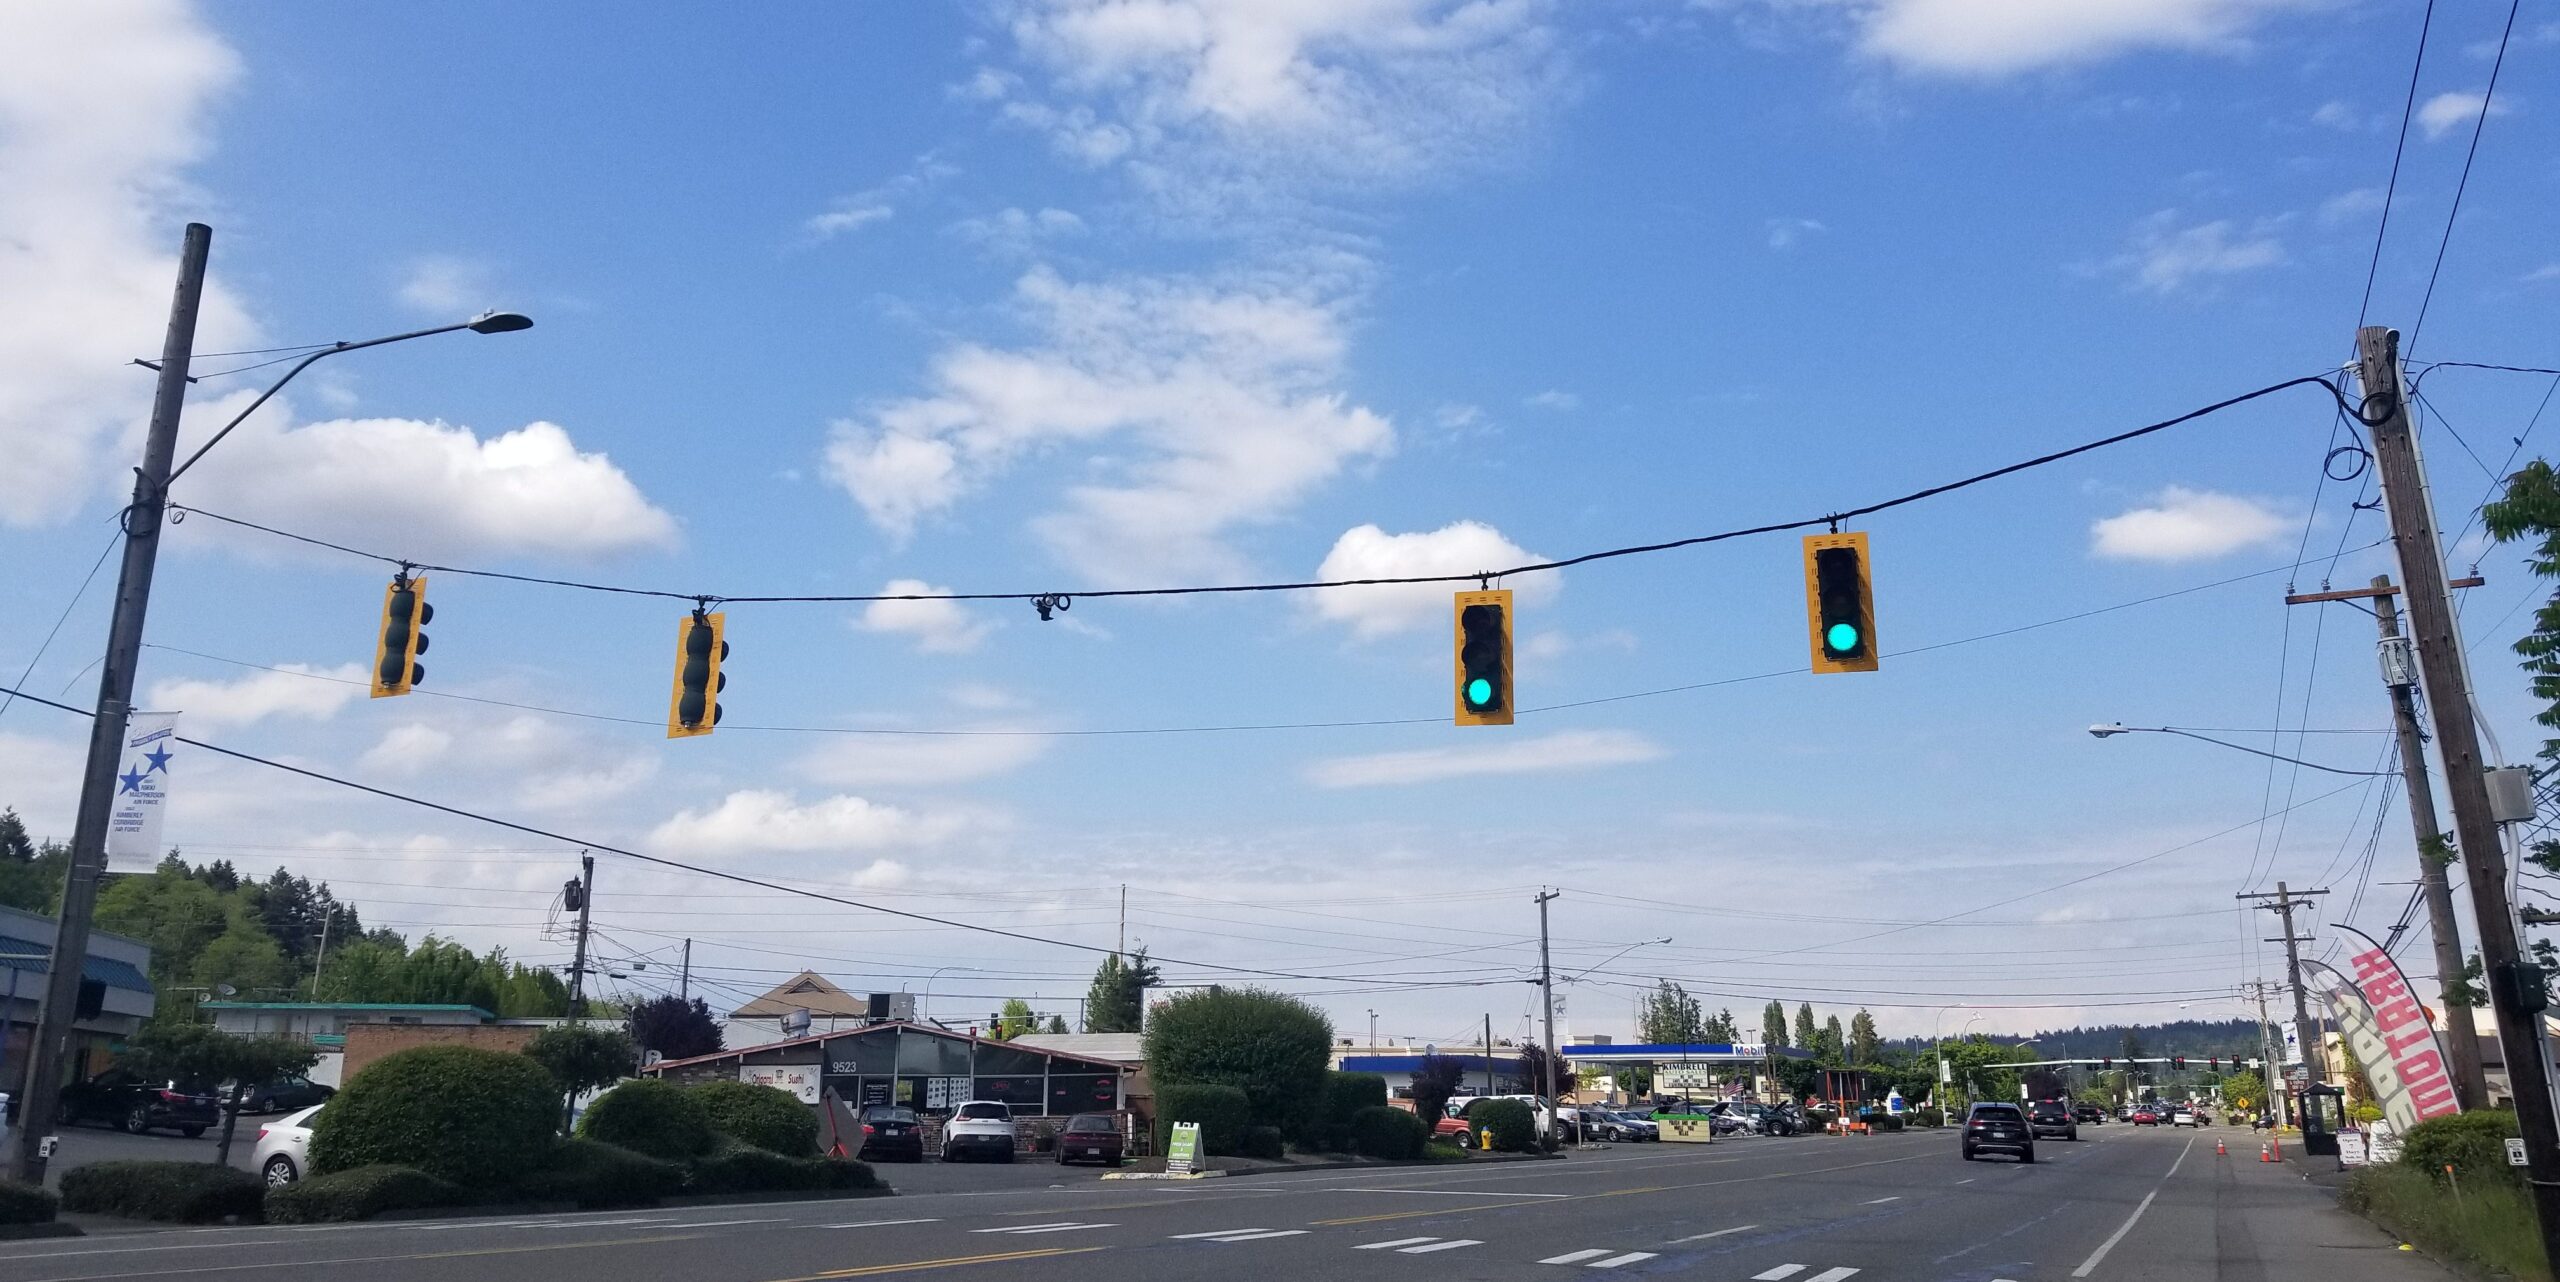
{"points": [[500, 322], [2112, 727]]}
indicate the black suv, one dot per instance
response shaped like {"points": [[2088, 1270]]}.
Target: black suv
{"points": [[140, 1104], [1998, 1128], [2052, 1118], [2090, 1113]]}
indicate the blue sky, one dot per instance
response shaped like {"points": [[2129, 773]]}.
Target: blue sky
{"points": [[1061, 295]]}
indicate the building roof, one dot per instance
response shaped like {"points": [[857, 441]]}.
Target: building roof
{"points": [[1410, 1063], [407, 1007], [1676, 1051], [1125, 1048], [870, 1030], [113, 972], [809, 991]]}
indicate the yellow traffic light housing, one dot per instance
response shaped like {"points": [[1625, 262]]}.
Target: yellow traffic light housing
{"points": [[1484, 690], [693, 706], [1840, 602], [402, 636]]}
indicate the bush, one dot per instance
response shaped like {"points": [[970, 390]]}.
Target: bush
{"points": [[185, 1192], [1223, 1113], [654, 1118], [1513, 1127], [2490, 1224], [2474, 1144], [846, 1173], [767, 1118], [1274, 1047], [26, 1204], [469, 1116], [1927, 1117], [1388, 1132], [1264, 1142], [1883, 1123], [596, 1175], [734, 1167], [360, 1194]]}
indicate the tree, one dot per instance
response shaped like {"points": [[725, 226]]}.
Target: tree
{"points": [[187, 1052], [1274, 1047], [1057, 1023], [1117, 1002], [582, 1057], [1832, 1045], [1805, 1028], [1435, 1079], [2530, 511], [1720, 1029], [243, 958], [30, 875], [1773, 1025], [1863, 1042], [1669, 1016], [1014, 1020], [1532, 1068], [673, 1027]]}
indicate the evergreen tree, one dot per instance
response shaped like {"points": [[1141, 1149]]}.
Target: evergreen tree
{"points": [[1773, 1025], [674, 1027], [1829, 1045], [1117, 1002], [1862, 1038], [1669, 1016], [1805, 1028]]}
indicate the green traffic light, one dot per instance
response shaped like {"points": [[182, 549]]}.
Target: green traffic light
{"points": [[1479, 692], [1842, 637]]}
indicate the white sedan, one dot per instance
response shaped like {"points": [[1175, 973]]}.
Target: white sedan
{"points": [[284, 1148]]}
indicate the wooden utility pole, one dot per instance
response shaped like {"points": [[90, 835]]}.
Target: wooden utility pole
{"points": [[2517, 1002], [2304, 1031], [1547, 995], [584, 891]]}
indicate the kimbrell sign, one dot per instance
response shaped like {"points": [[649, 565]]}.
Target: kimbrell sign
{"points": [[2382, 1022]]}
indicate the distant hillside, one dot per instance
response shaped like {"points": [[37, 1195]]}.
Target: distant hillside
{"points": [[2191, 1037]]}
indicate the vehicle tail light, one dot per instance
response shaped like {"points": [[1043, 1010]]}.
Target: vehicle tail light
{"points": [[866, 1128], [172, 1097], [262, 1132]]}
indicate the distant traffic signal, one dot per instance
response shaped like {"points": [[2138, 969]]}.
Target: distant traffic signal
{"points": [[1484, 658], [2178, 1061], [693, 707], [1840, 602], [2213, 1062], [403, 637], [2108, 1062]]}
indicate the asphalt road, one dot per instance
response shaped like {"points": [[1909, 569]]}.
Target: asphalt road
{"points": [[2120, 1206]]}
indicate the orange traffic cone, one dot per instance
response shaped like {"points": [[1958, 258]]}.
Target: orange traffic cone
{"points": [[2262, 1152], [2218, 1150]]}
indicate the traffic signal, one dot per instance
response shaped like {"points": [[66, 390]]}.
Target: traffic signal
{"points": [[2108, 1062], [405, 616], [694, 705], [1840, 602], [2213, 1062], [1484, 658], [2178, 1061]]}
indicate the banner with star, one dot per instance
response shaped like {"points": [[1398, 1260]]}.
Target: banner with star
{"points": [[142, 792]]}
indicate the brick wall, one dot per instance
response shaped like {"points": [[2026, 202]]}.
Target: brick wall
{"points": [[369, 1042]]}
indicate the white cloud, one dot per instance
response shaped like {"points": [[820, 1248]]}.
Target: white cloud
{"points": [[1784, 233], [937, 627], [846, 218], [1019, 231], [435, 488], [292, 692], [1545, 754], [1552, 399], [1547, 646], [1462, 547], [848, 214], [2548, 271], [2449, 111], [2350, 206], [2187, 525], [2166, 258], [1191, 408], [410, 748], [1456, 417], [765, 821], [1997, 37], [978, 696], [103, 109], [865, 761], [447, 286], [2336, 115]]}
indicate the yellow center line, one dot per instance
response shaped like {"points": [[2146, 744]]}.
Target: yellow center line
{"points": [[951, 1262]]}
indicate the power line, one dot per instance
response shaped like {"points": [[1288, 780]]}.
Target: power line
{"points": [[113, 540], [1052, 599], [2399, 148], [2488, 98]]}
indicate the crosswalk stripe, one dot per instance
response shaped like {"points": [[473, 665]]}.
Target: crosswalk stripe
{"points": [[1450, 1245], [1576, 1257], [1402, 1241], [1778, 1273], [1840, 1274], [1614, 1261]]}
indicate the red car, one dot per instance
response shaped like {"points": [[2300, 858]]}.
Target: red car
{"points": [[1091, 1137], [2145, 1117]]}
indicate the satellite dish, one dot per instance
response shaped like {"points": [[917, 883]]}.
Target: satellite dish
{"points": [[226, 990]]}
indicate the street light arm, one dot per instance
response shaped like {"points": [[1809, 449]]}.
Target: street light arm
{"points": [[2104, 731]]}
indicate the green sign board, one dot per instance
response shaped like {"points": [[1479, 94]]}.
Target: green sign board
{"points": [[1183, 1154]]}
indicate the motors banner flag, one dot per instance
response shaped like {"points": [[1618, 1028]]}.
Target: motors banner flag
{"points": [[142, 791], [2381, 1021]]}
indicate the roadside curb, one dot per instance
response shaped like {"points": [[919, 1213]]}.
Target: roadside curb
{"points": [[1165, 1175]]}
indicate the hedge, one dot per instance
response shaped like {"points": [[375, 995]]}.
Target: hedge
{"points": [[469, 1116], [735, 1167], [2474, 1144], [1389, 1133], [185, 1192], [1223, 1113], [596, 1175], [1274, 1047], [360, 1194], [759, 1115], [1513, 1127], [651, 1117], [1264, 1142], [26, 1204]]}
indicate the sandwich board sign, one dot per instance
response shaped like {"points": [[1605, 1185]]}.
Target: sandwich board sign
{"points": [[1182, 1154]]}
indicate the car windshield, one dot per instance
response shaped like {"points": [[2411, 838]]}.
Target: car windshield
{"points": [[891, 1114], [2049, 1109], [1091, 1122], [984, 1113]]}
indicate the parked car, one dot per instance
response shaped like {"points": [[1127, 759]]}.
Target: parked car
{"points": [[1998, 1128], [2090, 1114], [1091, 1137], [284, 1148], [890, 1131], [978, 1128], [1617, 1124], [2052, 1117], [139, 1104], [283, 1095]]}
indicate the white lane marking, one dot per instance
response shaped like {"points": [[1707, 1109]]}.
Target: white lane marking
{"points": [[1964, 1181], [1614, 1261], [1185, 1237], [2089, 1265], [1265, 1233], [1450, 1245], [1024, 1228], [1402, 1241], [1782, 1271], [1576, 1257], [1882, 1200], [707, 1224], [1701, 1237], [875, 1224], [1439, 1192], [1051, 1228], [1840, 1274]]}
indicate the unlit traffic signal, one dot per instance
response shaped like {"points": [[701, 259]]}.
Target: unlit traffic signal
{"points": [[403, 636], [1484, 658], [693, 707], [1840, 602]]}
